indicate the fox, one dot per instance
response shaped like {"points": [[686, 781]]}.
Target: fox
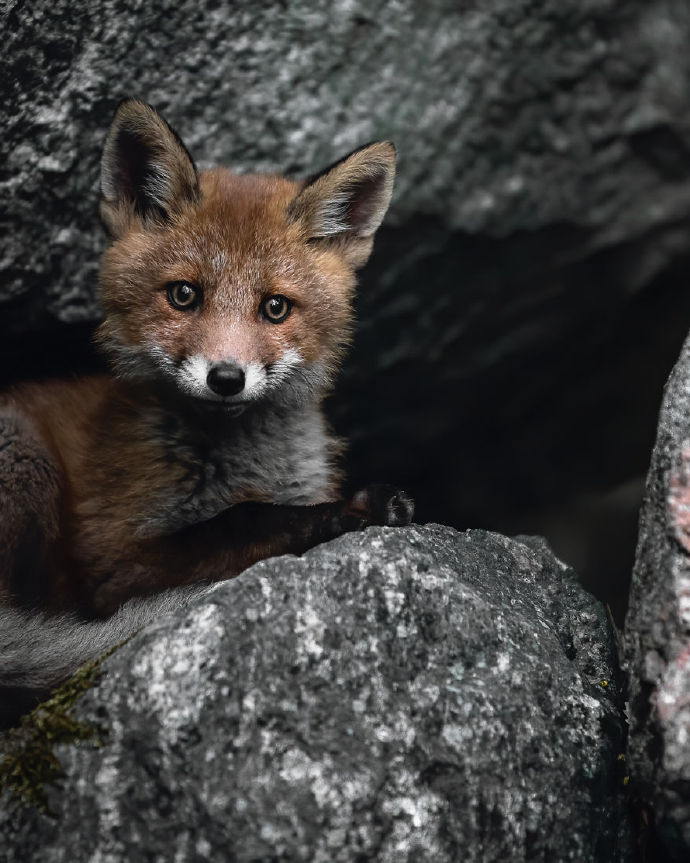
{"points": [[227, 304]]}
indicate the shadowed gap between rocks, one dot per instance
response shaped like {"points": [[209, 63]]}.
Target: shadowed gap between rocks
{"points": [[539, 415]]}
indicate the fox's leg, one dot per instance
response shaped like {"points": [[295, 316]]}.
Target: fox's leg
{"points": [[29, 509], [226, 545]]}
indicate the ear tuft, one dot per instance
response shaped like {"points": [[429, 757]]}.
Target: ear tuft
{"points": [[349, 199], [145, 169]]}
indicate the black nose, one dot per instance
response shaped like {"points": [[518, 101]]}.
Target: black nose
{"points": [[226, 379]]}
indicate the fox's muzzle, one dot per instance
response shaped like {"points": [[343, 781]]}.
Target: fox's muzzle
{"points": [[226, 379]]}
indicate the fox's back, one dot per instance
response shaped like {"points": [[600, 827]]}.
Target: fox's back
{"points": [[63, 412]]}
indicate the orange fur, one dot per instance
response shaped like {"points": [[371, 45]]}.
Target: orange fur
{"points": [[239, 246]]}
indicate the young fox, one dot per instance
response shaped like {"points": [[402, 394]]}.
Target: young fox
{"points": [[227, 306]]}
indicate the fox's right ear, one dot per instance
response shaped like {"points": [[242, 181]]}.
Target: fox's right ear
{"points": [[344, 205], [146, 171]]}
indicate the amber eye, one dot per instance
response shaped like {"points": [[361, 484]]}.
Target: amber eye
{"points": [[183, 296], [276, 308]]}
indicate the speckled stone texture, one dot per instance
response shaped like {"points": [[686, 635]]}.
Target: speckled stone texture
{"points": [[410, 694], [657, 631], [532, 273]]}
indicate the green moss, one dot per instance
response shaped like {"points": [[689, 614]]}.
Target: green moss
{"points": [[27, 759]]}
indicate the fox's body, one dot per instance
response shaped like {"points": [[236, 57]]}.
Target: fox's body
{"points": [[227, 306], [130, 469]]}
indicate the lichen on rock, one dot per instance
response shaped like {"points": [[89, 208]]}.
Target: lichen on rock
{"points": [[27, 752]]}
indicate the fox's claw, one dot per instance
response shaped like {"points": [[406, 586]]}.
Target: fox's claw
{"points": [[382, 504]]}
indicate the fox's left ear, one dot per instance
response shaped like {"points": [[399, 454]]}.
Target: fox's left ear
{"points": [[146, 171], [345, 204]]}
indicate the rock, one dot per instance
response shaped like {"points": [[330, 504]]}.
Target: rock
{"points": [[657, 629], [530, 284], [396, 695]]}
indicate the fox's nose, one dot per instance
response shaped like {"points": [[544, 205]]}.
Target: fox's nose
{"points": [[226, 379]]}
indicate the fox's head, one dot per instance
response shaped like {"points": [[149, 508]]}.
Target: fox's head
{"points": [[230, 288]]}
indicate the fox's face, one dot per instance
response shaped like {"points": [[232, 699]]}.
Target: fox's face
{"points": [[232, 289]]}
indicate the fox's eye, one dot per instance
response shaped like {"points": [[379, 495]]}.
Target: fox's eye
{"points": [[276, 308], [183, 296]]}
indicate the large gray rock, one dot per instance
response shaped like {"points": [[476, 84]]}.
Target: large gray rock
{"points": [[657, 630], [407, 694], [530, 284]]}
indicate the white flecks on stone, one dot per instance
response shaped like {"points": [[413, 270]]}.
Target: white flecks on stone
{"points": [[179, 658], [502, 662], [310, 630]]}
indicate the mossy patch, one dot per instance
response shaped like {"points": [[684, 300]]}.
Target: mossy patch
{"points": [[27, 759]]}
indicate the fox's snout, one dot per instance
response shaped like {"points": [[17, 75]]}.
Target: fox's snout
{"points": [[234, 380], [226, 379]]}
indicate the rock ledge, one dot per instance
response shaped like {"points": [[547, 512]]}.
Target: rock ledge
{"points": [[400, 694]]}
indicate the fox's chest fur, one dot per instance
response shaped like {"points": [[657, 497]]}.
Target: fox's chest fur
{"points": [[273, 454], [144, 468]]}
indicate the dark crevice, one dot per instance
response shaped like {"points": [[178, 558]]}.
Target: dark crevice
{"points": [[540, 412]]}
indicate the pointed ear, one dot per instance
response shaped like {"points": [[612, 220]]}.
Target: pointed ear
{"points": [[146, 171], [345, 204]]}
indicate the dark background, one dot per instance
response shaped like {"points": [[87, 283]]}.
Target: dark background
{"points": [[529, 292]]}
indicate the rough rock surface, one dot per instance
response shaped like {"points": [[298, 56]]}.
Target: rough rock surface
{"points": [[657, 631], [398, 695], [538, 236]]}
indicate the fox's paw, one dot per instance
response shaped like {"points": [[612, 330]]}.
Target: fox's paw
{"points": [[381, 504]]}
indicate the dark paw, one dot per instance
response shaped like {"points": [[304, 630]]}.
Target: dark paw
{"points": [[382, 504]]}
